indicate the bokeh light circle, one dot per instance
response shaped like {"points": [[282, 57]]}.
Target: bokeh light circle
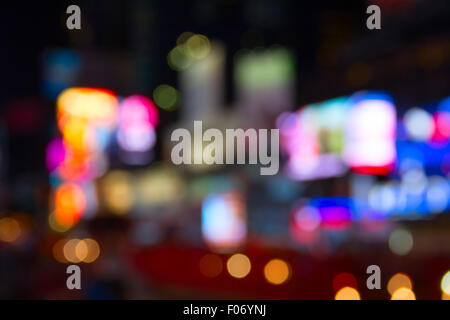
{"points": [[403, 294], [277, 271], [238, 265], [397, 281], [347, 293], [401, 241]]}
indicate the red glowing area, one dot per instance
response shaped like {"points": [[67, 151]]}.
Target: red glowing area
{"points": [[344, 279], [374, 170]]}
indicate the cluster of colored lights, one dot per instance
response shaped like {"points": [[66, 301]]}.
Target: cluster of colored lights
{"points": [[324, 139], [422, 164], [86, 117], [123, 191], [190, 48], [426, 124], [332, 214], [310, 219], [278, 271], [90, 120], [399, 286], [361, 133], [415, 194]]}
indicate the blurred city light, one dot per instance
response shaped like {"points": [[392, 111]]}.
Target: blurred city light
{"points": [[347, 293], [445, 283], [86, 174], [277, 271], [238, 265], [403, 294], [401, 241], [166, 97], [397, 281]]}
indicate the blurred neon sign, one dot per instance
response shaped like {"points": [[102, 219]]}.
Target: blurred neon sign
{"points": [[323, 140]]}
